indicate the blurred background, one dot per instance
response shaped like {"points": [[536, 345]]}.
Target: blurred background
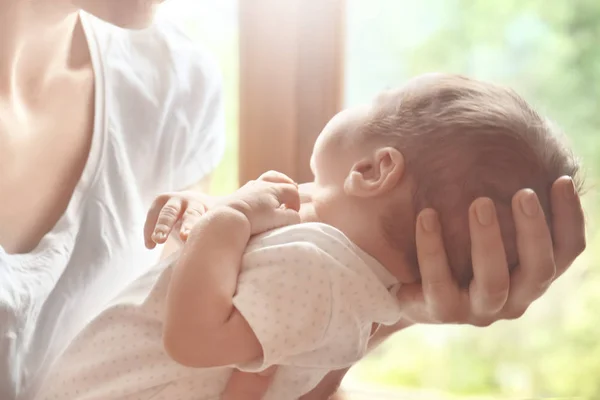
{"points": [[548, 52]]}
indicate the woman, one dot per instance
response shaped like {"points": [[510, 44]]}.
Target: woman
{"points": [[94, 122]]}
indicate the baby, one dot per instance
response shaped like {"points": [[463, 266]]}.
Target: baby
{"points": [[307, 297]]}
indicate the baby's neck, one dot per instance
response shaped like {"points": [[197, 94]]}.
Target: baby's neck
{"points": [[308, 213], [388, 257]]}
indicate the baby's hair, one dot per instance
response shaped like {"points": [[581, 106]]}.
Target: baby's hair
{"points": [[463, 139]]}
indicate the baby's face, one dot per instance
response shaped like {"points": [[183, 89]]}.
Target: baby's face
{"points": [[339, 145], [334, 151], [357, 175]]}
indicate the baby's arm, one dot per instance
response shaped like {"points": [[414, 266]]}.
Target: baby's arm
{"points": [[202, 328]]}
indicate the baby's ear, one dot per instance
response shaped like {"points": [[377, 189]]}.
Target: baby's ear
{"points": [[375, 175]]}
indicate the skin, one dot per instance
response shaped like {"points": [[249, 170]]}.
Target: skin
{"points": [[46, 100]]}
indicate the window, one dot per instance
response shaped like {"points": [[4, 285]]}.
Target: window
{"points": [[214, 25], [547, 51]]}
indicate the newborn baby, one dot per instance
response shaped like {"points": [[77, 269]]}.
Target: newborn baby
{"points": [[309, 296]]}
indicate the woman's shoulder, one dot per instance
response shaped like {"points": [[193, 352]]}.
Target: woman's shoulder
{"points": [[162, 100], [160, 61]]}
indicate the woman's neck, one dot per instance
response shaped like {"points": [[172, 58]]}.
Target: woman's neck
{"points": [[37, 42]]}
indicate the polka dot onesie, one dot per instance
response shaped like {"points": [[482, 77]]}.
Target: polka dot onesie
{"points": [[310, 295]]}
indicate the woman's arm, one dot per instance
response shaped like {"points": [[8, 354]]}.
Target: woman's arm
{"points": [[332, 381]]}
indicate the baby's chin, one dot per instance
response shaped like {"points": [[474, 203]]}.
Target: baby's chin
{"points": [[307, 212], [306, 190]]}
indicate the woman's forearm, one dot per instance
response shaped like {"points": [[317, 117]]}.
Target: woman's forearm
{"points": [[328, 387], [385, 332]]}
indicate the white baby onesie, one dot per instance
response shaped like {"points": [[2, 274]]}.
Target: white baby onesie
{"points": [[310, 295]]}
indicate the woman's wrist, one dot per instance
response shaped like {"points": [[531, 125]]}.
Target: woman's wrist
{"points": [[385, 332]]}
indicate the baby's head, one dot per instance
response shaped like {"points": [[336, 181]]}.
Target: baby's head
{"points": [[441, 141]]}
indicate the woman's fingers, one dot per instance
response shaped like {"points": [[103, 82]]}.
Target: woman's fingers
{"points": [[489, 288], [568, 224], [440, 290], [536, 269]]}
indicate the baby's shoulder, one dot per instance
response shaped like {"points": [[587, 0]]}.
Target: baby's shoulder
{"points": [[305, 237], [314, 248]]}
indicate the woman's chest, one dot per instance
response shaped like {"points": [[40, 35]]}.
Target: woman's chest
{"points": [[47, 296], [37, 182], [44, 147]]}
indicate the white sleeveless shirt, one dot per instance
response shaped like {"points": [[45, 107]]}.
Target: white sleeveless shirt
{"points": [[158, 127]]}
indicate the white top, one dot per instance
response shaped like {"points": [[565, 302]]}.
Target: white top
{"points": [[309, 294], [158, 127]]}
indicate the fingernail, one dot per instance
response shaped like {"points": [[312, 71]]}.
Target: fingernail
{"points": [[570, 192], [429, 221], [484, 211], [529, 203], [158, 235]]}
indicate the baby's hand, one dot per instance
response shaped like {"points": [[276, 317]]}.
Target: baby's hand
{"points": [[172, 212], [270, 202]]}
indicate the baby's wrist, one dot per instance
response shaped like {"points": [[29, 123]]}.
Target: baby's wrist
{"points": [[231, 217]]}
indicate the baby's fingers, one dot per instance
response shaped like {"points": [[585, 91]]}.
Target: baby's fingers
{"points": [[152, 218], [276, 177], [192, 214], [285, 217], [288, 196], [167, 218]]}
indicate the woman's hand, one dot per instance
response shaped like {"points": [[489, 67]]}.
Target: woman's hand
{"points": [[494, 294]]}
